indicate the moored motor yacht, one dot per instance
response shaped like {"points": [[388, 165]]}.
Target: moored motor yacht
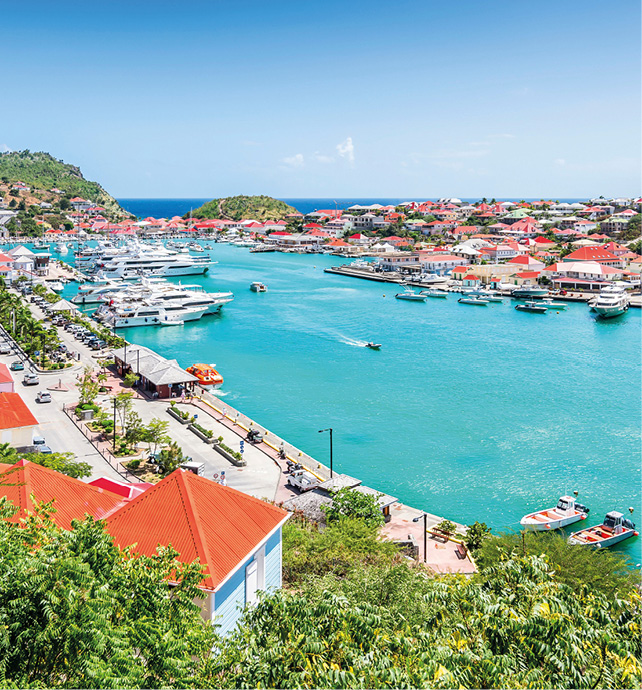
{"points": [[529, 291], [411, 295], [612, 301], [433, 292], [258, 287], [532, 307], [566, 512], [473, 300], [151, 314], [613, 530]]}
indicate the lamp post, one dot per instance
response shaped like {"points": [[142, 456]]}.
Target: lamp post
{"points": [[114, 439], [416, 519], [330, 430]]}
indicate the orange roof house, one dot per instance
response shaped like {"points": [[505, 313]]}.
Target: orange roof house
{"points": [[72, 498]]}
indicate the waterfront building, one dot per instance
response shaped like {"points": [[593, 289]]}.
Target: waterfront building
{"points": [[441, 263], [597, 254], [160, 377], [406, 262], [577, 271], [525, 262]]}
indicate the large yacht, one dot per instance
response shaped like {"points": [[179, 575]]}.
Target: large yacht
{"points": [[170, 294], [151, 314], [612, 301], [156, 263]]}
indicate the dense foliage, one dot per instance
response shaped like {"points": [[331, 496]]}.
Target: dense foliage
{"points": [[42, 171], [76, 612], [633, 230], [243, 207], [65, 463]]}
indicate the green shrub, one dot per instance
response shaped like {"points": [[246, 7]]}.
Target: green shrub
{"points": [[133, 464]]}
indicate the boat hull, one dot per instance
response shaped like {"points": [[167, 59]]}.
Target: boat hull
{"points": [[577, 539], [610, 312], [541, 522]]}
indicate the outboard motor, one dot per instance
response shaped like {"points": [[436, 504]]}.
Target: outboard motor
{"points": [[581, 508], [628, 524]]}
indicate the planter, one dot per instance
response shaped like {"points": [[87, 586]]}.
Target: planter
{"points": [[175, 414], [230, 458], [200, 434]]}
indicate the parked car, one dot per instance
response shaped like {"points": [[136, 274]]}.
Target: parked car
{"points": [[38, 440], [16, 366], [30, 380], [302, 480], [5, 349], [43, 397], [44, 449]]}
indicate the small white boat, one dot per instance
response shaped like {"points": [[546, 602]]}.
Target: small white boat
{"points": [[613, 530], [258, 287], [532, 307], [411, 295], [56, 286], [374, 346], [473, 300], [549, 304], [172, 322], [566, 512], [435, 293], [529, 291]]}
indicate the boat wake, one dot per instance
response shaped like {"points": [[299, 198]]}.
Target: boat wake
{"points": [[352, 341], [219, 393]]}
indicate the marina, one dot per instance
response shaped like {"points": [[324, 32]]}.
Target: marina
{"points": [[430, 420]]}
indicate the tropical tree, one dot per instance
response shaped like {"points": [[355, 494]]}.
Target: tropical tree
{"points": [[350, 503], [156, 435], [88, 387]]}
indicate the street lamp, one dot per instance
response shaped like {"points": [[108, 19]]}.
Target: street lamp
{"points": [[330, 430], [416, 519]]}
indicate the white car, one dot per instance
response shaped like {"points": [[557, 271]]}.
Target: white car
{"points": [[30, 380], [5, 349], [43, 397], [302, 480]]}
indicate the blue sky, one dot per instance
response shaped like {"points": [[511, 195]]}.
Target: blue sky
{"points": [[297, 99]]}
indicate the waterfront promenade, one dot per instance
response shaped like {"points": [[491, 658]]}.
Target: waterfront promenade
{"points": [[264, 476]]}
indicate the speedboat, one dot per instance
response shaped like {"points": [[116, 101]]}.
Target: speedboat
{"points": [[411, 295], [55, 285], [207, 376], [549, 304], [40, 246], [374, 346], [533, 307], [473, 300], [434, 293], [258, 287], [566, 512], [529, 291], [612, 301], [613, 530], [171, 321]]}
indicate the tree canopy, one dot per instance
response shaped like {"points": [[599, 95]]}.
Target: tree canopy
{"points": [[241, 207]]}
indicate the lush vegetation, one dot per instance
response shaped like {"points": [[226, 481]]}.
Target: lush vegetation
{"points": [[65, 463], [41, 171], [75, 612], [633, 229], [354, 613], [243, 207]]}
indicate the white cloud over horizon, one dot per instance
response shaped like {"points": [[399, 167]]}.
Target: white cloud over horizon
{"points": [[346, 150]]}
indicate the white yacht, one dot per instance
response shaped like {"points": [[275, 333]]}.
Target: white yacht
{"points": [[155, 263], [152, 314], [99, 293], [529, 291], [612, 301], [182, 295]]}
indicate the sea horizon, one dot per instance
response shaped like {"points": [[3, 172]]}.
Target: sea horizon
{"points": [[166, 207]]}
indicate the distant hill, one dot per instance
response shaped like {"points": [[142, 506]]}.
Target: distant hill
{"points": [[42, 172], [240, 207]]}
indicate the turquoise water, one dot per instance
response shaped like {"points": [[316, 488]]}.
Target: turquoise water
{"points": [[474, 413]]}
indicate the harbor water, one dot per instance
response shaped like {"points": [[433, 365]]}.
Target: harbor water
{"points": [[467, 412]]}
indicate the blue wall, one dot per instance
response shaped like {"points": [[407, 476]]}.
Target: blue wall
{"points": [[229, 601]]}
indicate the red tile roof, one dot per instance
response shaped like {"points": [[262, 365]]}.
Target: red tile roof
{"points": [[200, 519], [72, 498], [591, 254], [14, 413], [5, 374]]}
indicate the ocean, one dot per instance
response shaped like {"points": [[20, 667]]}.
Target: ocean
{"points": [[466, 412], [167, 208]]}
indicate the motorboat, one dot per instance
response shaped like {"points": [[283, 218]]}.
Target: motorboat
{"points": [[151, 314], [206, 374], [195, 247], [99, 293], [55, 285], [550, 304], [432, 279], [473, 300], [374, 346], [433, 292], [612, 301], [532, 307], [40, 246], [613, 530], [488, 295], [529, 291], [411, 296], [566, 512], [59, 246], [172, 322], [258, 287]]}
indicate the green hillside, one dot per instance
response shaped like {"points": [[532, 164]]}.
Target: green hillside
{"points": [[42, 172], [240, 207]]}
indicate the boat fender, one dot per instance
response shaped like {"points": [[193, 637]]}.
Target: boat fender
{"points": [[548, 526], [636, 534], [584, 517]]}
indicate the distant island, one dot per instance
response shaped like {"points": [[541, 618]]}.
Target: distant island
{"points": [[240, 207], [44, 181]]}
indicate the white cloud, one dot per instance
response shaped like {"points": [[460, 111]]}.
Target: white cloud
{"points": [[346, 149], [560, 161], [296, 161], [5, 149]]}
